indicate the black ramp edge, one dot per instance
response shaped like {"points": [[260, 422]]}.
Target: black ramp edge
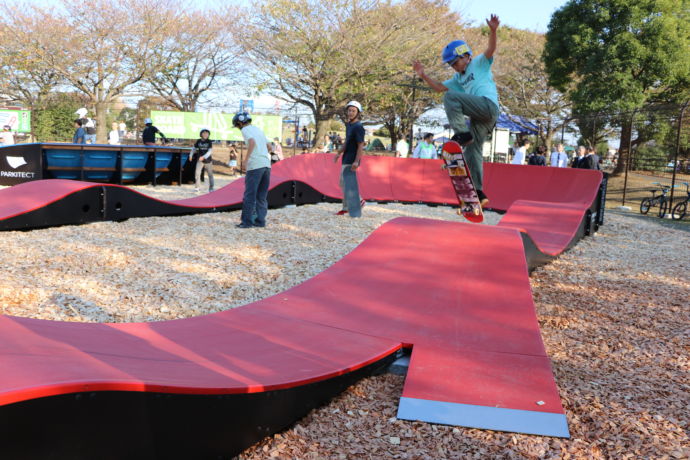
{"points": [[80, 207], [133, 425], [536, 258]]}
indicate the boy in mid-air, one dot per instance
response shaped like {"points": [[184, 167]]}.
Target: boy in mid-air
{"points": [[470, 93]]}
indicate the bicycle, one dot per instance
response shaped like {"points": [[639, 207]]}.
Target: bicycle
{"points": [[656, 200], [681, 208]]}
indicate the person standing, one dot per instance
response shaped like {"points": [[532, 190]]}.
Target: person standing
{"points": [[402, 148], [89, 126], [590, 160], [521, 153], [580, 156], [277, 154], [7, 135], [471, 93], [148, 135], [79, 133], [202, 152], [114, 135], [122, 129], [258, 177], [559, 159], [351, 152], [425, 149], [538, 158]]}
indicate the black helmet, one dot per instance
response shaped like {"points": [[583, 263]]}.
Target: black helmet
{"points": [[204, 129], [240, 119]]}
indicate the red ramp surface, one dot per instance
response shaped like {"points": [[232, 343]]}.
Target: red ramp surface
{"points": [[458, 294], [465, 308], [462, 306]]}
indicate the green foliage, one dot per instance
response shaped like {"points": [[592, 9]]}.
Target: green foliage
{"points": [[129, 116], [55, 121], [621, 54], [336, 125], [650, 157], [382, 131]]}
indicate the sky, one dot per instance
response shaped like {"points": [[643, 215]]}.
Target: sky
{"points": [[526, 14]]}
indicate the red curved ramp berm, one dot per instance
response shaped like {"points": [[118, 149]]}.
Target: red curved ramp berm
{"points": [[457, 294]]}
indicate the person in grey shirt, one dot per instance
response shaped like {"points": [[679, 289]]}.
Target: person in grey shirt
{"points": [[254, 202]]}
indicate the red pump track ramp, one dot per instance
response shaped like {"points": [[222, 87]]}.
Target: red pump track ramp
{"points": [[457, 294]]}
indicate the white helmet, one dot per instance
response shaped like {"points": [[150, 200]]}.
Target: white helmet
{"points": [[147, 121], [355, 104], [82, 112]]}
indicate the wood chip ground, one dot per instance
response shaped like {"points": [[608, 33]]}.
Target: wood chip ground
{"points": [[614, 314]]}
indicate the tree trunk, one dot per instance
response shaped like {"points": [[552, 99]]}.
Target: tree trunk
{"points": [[623, 148], [322, 122], [393, 133], [101, 121]]}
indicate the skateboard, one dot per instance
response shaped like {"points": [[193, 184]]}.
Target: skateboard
{"points": [[454, 163]]}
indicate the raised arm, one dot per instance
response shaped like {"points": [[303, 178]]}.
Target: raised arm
{"points": [[433, 84], [493, 24]]}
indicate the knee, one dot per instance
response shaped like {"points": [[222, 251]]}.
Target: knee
{"points": [[450, 97]]}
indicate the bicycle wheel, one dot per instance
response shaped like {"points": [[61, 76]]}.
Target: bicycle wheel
{"points": [[663, 205], [680, 210], [645, 205]]}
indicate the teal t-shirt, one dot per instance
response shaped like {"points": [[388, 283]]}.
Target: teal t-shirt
{"points": [[477, 79]]}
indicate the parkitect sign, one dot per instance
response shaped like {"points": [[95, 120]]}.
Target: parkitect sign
{"points": [[19, 120], [186, 125]]}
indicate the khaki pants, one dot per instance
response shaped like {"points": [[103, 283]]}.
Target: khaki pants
{"points": [[209, 172]]}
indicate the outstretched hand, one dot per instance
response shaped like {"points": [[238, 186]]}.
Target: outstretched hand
{"points": [[493, 22]]}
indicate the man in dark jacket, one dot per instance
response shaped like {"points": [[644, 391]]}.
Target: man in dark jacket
{"points": [[591, 160]]}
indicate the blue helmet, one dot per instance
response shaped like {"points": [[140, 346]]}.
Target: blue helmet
{"points": [[240, 119], [454, 50]]}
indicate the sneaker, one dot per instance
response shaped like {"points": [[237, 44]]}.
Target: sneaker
{"points": [[243, 226], [462, 138], [483, 199], [342, 212]]}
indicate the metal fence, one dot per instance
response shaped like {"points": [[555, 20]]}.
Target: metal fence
{"points": [[644, 151]]}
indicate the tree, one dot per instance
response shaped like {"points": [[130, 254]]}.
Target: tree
{"points": [[383, 80], [301, 50], [198, 54], [25, 80], [100, 50], [322, 54], [144, 107], [621, 54], [55, 121]]}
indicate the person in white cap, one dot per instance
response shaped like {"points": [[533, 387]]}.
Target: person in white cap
{"points": [[351, 151], [148, 136], [89, 126], [202, 152]]}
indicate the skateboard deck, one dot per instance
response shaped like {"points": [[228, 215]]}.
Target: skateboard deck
{"points": [[454, 163]]}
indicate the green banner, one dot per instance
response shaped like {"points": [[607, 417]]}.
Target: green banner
{"points": [[19, 120], [186, 125]]}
